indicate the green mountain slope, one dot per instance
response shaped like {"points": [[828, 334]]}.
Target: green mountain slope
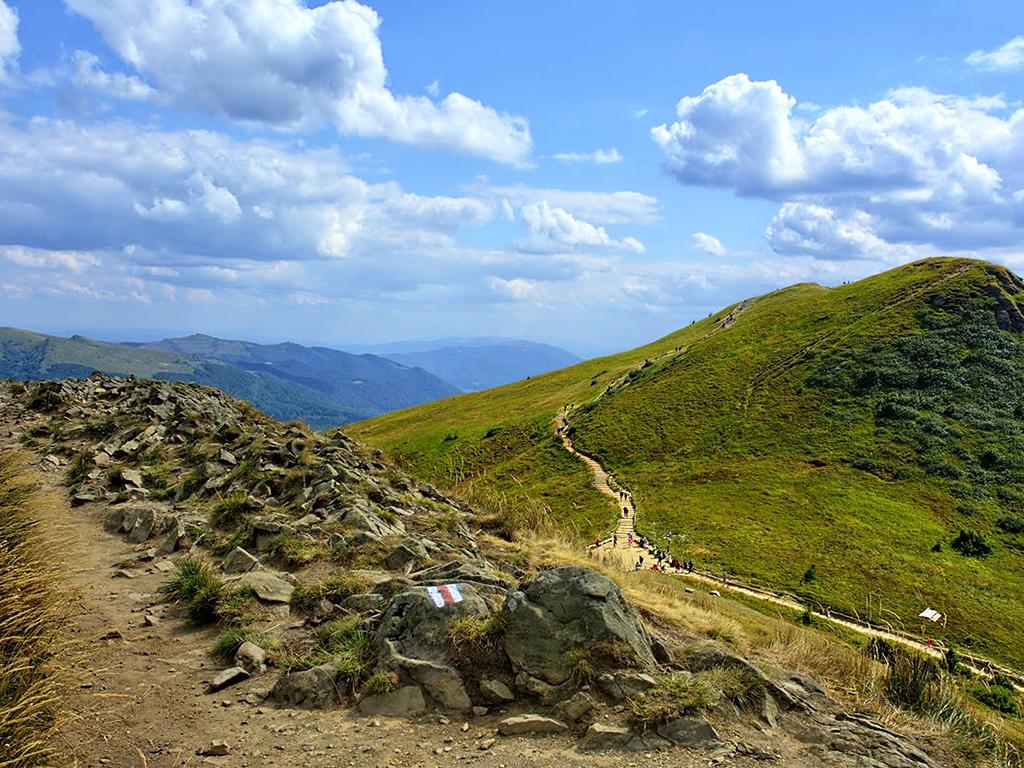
{"points": [[858, 429], [321, 387]]}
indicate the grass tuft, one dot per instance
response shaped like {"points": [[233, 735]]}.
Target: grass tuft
{"points": [[198, 588]]}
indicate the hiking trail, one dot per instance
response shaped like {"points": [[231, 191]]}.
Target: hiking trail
{"points": [[623, 545]]}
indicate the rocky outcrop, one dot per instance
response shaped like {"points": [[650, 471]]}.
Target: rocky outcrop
{"points": [[413, 639], [567, 609]]}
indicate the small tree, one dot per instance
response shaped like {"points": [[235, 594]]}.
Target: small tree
{"points": [[811, 574]]}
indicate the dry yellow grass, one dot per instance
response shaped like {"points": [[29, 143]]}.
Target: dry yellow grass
{"points": [[31, 616], [843, 670]]}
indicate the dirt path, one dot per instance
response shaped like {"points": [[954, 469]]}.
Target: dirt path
{"points": [[141, 674]]}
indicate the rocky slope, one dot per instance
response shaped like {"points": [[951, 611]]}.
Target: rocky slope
{"points": [[338, 581]]}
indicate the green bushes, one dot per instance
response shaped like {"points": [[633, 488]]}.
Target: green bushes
{"points": [[78, 470], [998, 695], [342, 644], [1011, 524], [971, 544], [296, 551], [681, 694]]}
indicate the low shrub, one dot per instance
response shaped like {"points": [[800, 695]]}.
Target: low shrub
{"points": [[971, 544], [1001, 698], [1011, 524], [296, 551], [913, 682]]}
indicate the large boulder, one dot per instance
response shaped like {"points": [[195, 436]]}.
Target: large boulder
{"points": [[565, 609], [413, 638]]}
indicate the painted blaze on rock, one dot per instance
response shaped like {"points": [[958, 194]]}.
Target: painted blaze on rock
{"points": [[564, 609]]}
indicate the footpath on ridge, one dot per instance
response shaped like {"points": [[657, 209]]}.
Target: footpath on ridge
{"points": [[623, 545]]}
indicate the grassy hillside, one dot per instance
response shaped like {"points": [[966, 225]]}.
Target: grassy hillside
{"points": [[858, 429]]}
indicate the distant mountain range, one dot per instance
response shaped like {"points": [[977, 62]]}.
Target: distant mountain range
{"points": [[320, 386], [478, 363]]}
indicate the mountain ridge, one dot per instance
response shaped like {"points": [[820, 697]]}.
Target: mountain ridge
{"points": [[758, 446], [320, 386]]}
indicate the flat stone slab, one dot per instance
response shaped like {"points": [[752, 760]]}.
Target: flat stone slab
{"points": [[601, 736], [268, 587], [227, 677], [520, 724]]}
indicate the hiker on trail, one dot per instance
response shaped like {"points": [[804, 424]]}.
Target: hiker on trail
{"points": [[625, 511], [725, 577], [597, 541], [615, 540], [629, 538]]}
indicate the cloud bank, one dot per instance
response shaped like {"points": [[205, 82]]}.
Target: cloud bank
{"points": [[279, 63], [914, 169]]}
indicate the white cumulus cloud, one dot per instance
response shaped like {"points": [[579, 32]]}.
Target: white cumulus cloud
{"points": [[561, 228], [709, 244], [281, 63], [1008, 57], [118, 85], [599, 156], [9, 46], [916, 168]]}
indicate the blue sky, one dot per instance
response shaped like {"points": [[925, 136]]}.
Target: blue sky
{"points": [[585, 173]]}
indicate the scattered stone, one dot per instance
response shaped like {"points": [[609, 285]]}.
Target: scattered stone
{"points": [[268, 587], [314, 688], [132, 477], [621, 686], [227, 677], [601, 736], [214, 749], [124, 573], [239, 561], [692, 732], [496, 691], [520, 724], [150, 621], [575, 708], [480, 711], [251, 658], [486, 744]]}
